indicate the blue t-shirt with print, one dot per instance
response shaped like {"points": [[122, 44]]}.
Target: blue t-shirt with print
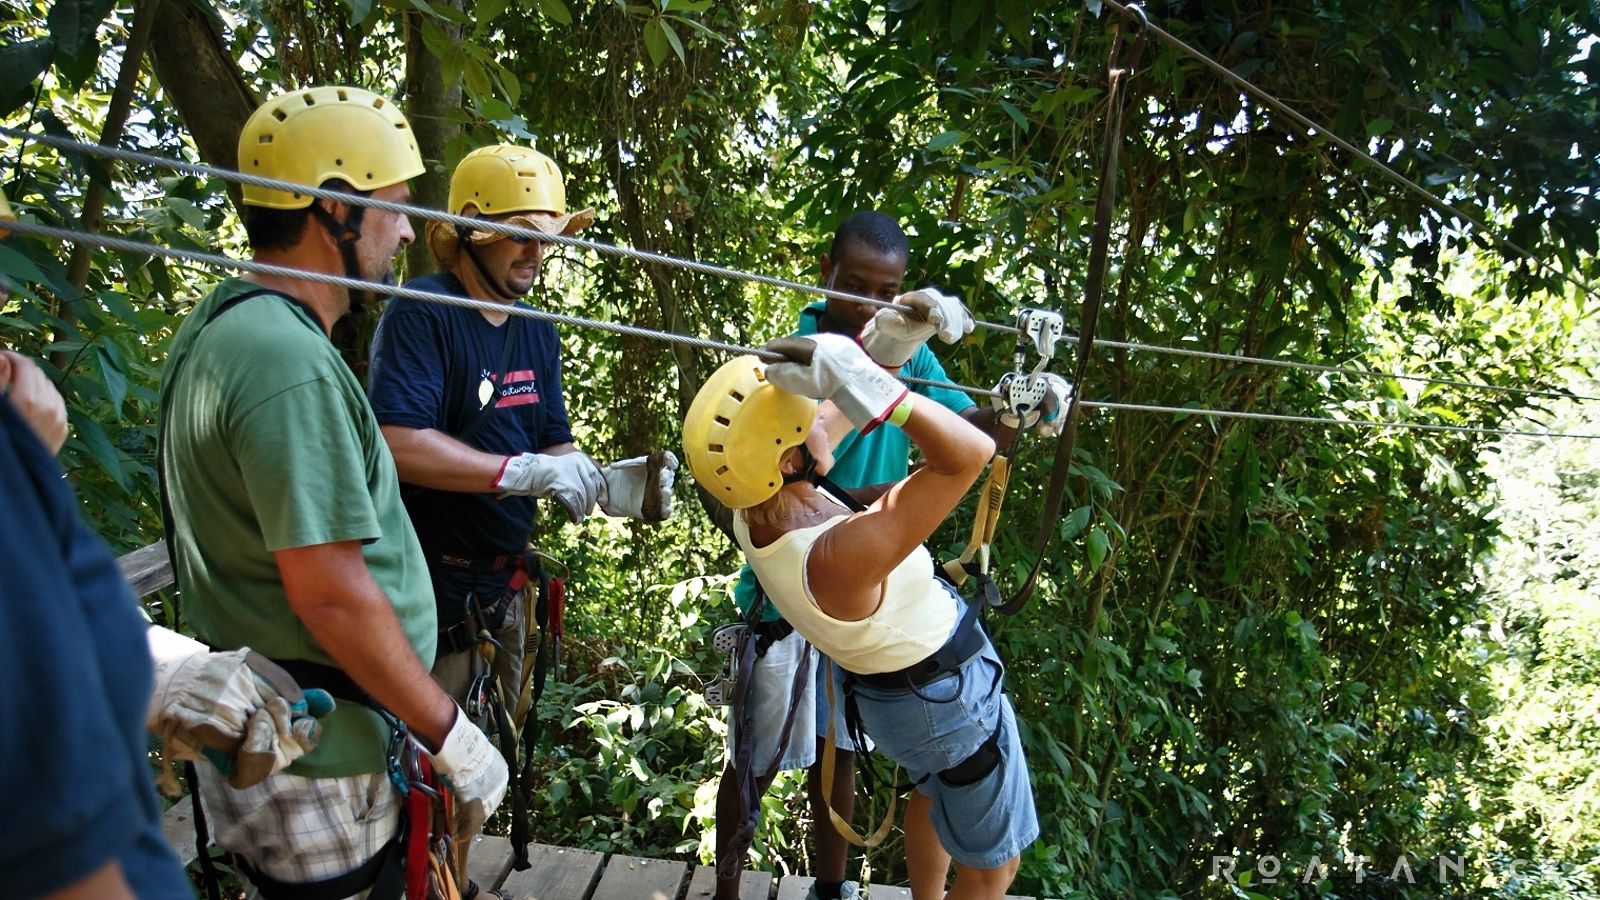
{"points": [[436, 366], [77, 674], [880, 456]]}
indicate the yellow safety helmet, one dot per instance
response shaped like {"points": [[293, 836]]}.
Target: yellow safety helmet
{"points": [[506, 180], [314, 134], [737, 430], [6, 215]]}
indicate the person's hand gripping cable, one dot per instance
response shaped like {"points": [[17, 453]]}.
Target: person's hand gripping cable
{"points": [[892, 336], [236, 709], [1050, 394], [571, 479], [833, 367]]}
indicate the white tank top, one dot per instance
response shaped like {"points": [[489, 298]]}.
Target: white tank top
{"points": [[914, 619]]}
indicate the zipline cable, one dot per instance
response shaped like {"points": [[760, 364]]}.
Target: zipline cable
{"points": [[1373, 374], [110, 242], [1312, 130], [434, 215], [132, 156]]}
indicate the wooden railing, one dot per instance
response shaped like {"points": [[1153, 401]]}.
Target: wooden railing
{"points": [[147, 569]]}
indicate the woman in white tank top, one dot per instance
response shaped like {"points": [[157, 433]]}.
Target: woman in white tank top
{"points": [[860, 587]]}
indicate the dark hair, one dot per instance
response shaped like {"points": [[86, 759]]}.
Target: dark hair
{"points": [[873, 230], [274, 229], [280, 229]]}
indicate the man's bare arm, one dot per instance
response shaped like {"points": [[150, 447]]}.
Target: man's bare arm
{"points": [[329, 587], [432, 459]]}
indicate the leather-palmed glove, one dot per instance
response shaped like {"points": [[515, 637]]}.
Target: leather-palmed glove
{"points": [[833, 367], [237, 709], [1052, 395], [641, 487], [571, 479], [473, 769], [892, 336]]}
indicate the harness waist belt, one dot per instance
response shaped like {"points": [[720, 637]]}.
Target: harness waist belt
{"points": [[481, 563], [384, 873], [316, 675], [965, 643]]}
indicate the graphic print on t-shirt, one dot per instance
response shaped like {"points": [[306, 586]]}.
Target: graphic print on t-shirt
{"points": [[519, 388]]}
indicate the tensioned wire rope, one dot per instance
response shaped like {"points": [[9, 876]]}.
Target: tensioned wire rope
{"points": [[132, 156], [1311, 129], [126, 245]]}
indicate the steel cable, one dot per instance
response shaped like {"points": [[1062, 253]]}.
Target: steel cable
{"points": [[126, 245], [132, 156]]}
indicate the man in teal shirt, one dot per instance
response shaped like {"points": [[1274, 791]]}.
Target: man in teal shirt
{"points": [[868, 258]]}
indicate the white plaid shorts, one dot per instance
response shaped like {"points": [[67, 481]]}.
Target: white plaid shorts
{"points": [[302, 829]]}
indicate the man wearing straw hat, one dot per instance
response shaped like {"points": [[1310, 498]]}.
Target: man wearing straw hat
{"points": [[471, 404]]}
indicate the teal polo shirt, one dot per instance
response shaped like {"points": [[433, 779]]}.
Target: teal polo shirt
{"points": [[861, 460]]}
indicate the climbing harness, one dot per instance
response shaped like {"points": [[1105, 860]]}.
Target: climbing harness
{"points": [[747, 646], [1118, 73], [1022, 391]]}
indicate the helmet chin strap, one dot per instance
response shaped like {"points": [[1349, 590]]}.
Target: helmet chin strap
{"points": [[807, 470], [345, 235], [494, 285]]}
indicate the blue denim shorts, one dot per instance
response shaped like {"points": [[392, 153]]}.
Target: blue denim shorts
{"points": [[981, 825]]}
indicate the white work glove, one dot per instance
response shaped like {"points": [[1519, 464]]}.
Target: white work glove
{"points": [[571, 479], [892, 336], [237, 709], [641, 487], [833, 367], [1050, 394], [474, 770]]}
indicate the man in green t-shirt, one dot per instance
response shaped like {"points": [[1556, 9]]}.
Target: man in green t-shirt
{"points": [[285, 519]]}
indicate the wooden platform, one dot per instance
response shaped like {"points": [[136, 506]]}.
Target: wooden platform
{"points": [[565, 873]]}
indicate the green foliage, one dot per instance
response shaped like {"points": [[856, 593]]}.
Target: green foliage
{"points": [[1253, 639]]}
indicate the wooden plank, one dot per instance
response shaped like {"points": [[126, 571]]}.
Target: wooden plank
{"points": [[177, 826], [752, 885], [637, 878], [556, 873], [489, 861], [794, 887], [147, 569]]}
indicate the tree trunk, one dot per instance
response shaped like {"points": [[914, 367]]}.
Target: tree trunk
{"points": [[429, 104], [94, 198], [199, 75]]}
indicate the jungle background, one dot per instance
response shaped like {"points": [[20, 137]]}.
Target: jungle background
{"points": [[1253, 639]]}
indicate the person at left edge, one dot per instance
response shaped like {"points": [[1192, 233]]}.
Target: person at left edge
{"points": [[288, 532], [82, 818], [80, 676]]}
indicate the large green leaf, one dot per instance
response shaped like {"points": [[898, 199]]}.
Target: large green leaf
{"points": [[20, 64], [73, 23]]}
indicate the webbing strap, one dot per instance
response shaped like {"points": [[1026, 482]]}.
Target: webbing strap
{"points": [[1093, 293], [844, 828], [984, 522], [745, 776]]}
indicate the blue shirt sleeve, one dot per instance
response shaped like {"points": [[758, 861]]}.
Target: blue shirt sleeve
{"points": [[406, 384], [554, 428], [77, 676]]}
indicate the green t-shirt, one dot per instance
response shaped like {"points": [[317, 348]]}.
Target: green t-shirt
{"points": [[270, 445], [881, 456]]}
